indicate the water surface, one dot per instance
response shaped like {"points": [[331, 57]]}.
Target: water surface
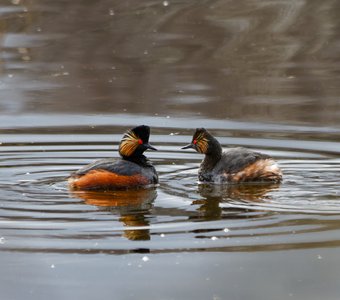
{"points": [[259, 74]]}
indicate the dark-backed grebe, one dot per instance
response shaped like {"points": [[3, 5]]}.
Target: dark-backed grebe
{"points": [[234, 165], [132, 170]]}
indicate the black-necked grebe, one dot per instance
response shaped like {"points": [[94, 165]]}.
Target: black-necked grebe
{"points": [[234, 165], [132, 170]]}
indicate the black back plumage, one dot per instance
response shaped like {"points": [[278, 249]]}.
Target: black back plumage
{"points": [[235, 159]]}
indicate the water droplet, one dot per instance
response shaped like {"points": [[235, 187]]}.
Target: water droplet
{"points": [[145, 258], [146, 52], [22, 50], [320, 257], [214, 238], [2, 240], [165, 3], [111, 12], [162, 235], [52, 266], [226, 230], [10, 75], [26, 58]]}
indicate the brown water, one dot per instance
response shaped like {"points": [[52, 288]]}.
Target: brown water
{"points": [[74, 75]]}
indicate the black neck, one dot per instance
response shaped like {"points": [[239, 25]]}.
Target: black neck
{"points": [[138, 159], [213, 155]]}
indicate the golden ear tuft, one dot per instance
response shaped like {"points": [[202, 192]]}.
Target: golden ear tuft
{"points": [[129, 144], [201, 143]]}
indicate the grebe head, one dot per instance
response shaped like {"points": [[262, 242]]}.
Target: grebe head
{"points": [[135, 141], [203, 142]]}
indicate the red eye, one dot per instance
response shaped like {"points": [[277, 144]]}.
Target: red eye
{"points": [[140, 142], [194, 142]]}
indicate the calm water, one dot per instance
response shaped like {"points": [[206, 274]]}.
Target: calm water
{"points": [[75, 75]]}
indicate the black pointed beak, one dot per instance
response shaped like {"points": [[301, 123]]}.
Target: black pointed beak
{"points": [[148, 146], [191, 145]]}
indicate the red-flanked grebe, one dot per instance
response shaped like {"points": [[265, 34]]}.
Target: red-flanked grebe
{"points": [[132, 170], [235, 165]]}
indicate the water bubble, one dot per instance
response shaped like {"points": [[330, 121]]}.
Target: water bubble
{"points": [[2, 240], [226, 230], [145, 258], [214, 238], [111, 12], [52, 266], [165, 3], [162, 235]]}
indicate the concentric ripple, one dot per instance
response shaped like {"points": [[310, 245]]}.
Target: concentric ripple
{"points": [[40, 214]]}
